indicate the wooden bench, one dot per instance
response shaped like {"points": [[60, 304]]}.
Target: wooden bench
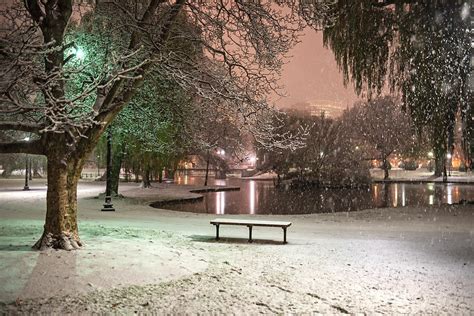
{"points": [[250, 223]]}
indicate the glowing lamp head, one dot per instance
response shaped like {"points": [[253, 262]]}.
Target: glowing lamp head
{"points": [[449, 156], [430, 154], [80, 53]]}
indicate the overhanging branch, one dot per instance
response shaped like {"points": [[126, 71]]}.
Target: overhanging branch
{"points": [[33, 147]]}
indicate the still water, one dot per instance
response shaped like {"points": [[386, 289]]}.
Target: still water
{"points": [[261, 197]]}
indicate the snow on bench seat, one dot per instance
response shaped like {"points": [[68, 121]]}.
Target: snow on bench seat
{"points": [[250, 223]]}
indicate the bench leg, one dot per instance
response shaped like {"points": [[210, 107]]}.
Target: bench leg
{"points": [[284, 235], [250, 233], [217, 232]]}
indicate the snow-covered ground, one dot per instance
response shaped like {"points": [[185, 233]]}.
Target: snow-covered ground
{"points": [[404, 260], [422, 174]]}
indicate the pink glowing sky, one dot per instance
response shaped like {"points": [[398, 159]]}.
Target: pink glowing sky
{"points": [[312, 75]]}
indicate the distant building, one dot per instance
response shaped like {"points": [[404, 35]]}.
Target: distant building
{"points": [[329, 108]]}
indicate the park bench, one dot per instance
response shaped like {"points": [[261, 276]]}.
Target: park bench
{"points": [[250, 223]]}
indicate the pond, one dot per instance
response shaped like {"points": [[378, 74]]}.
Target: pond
{"points": [[261, 197]]}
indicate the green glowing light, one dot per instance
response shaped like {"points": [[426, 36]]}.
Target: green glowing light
{"points": [[80, 53]]}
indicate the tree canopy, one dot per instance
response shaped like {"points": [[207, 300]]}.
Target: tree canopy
{"points": [[420, 50]]}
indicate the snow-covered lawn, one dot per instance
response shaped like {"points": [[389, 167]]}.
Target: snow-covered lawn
{"points": [[403, 260]]}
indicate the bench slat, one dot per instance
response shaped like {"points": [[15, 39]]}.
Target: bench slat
{"points": [[228, 221]]}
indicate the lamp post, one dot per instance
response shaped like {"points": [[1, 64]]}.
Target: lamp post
{"points": [[26, 187], [108, 206], [449, 156]]}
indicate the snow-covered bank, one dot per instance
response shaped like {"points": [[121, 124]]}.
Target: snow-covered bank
{"points": [[403, 260], [421, 175], [398, 175]]}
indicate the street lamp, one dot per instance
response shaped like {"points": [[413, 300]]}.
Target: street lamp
{"points": [[108, 206], [80, 53], [26, 187]]}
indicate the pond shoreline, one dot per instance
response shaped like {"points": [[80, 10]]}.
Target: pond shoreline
{"points": [[194, 199]]}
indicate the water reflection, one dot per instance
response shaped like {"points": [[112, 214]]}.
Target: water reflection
{"points": [[403, 194], [220, 202], [182, 179], [252, 197], [261, 197], [449, 192]]}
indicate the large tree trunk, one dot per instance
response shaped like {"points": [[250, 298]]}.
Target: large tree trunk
{"points": [[60, 228], [146, 183], [160, 175], [439, 162]]}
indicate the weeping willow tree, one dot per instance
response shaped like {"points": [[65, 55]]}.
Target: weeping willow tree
{"points": [[420, 50]]}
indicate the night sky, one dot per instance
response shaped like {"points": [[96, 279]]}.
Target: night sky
{"points": [[312, 75]]}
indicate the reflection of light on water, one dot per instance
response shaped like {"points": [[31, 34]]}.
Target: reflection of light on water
{"points": [[219, 182], [449, 190], [220, 202], [252, 197], [403, 194], [431, 196], [456, 194], [395, 196], [180, 180]]}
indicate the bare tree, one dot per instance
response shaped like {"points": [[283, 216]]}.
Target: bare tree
{"points": [[47, 91], [381, 128], [327, 156]]}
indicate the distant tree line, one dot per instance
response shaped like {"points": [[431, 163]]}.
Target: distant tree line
{"points": [[337, 151]]}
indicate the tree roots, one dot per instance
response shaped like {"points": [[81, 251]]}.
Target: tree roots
{"points": [[61, 241]]}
